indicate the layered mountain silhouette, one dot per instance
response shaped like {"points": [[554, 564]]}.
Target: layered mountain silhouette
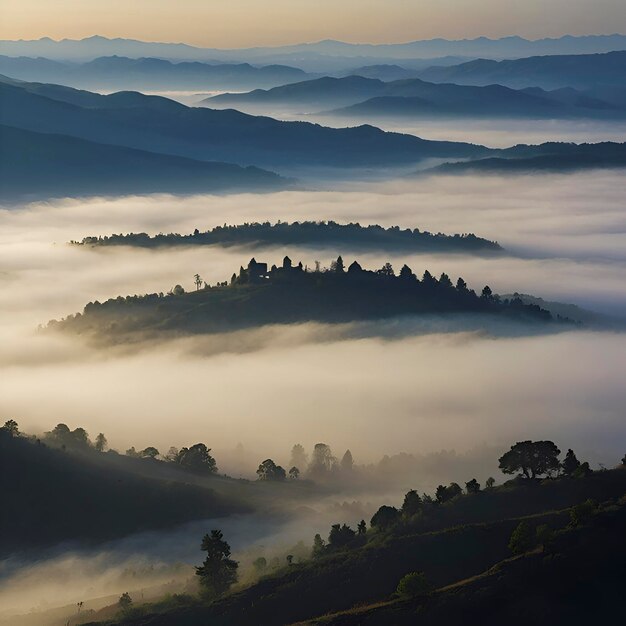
{"points": [[160, 125], [581, 71], [34, 165], [322, 56], [358, 96], [118, 73]]}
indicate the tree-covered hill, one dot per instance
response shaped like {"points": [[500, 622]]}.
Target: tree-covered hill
{"points": [[372, 237], [291, 294], [489, 552], [50, 494]]}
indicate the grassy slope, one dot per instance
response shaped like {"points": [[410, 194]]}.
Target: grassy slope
{"points": [[448, 554]]}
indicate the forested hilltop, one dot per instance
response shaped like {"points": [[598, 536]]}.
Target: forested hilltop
{"points": [[307, 233], [291, 293]]}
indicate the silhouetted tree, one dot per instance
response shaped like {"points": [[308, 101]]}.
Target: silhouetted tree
{"points": [[149, 453], [322, 461], [473, 486], [125, 601], [219, 571], [412, 503], [406, 273], [386, 270], [347, 463], [132, 452], [340, 536], [531, 458], [319, 546], [338, 266], [197, 458], [414, 585], [444, 494], [461, 285], [101, 443], [268, 470], [294, 473], [522, 538], [299, 457], [444, 281], [385, 517], [624, 460], [490, 482], [197, 281], [570, 463], [10, 427], [486, 293], [289, 558], [361, 527], [178, 290]]}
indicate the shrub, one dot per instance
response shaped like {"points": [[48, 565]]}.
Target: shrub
{"points": [[414, 585]]}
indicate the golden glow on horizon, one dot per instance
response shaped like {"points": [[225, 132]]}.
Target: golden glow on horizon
{"points": [[238, 23]]}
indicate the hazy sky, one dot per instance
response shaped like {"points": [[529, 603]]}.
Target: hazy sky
{"points": [[234, 23]]}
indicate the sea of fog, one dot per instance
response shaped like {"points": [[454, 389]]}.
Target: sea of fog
{"points": [[377, 388]]}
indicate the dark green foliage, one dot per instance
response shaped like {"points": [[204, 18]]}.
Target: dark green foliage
{"points": [[340, 536], [218, 572], [414, 585], [522, 539], [580, 513], [531, 458], [197, 458], [544, 535], [473, 486], [385, 517], [570, 463], [268, 470], [412, 503]]}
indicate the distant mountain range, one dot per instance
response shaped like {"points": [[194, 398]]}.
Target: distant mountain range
{"points": [[589, 71], [160, 125], [323, 56], [359, 96], [117, 73], [35, 165]]}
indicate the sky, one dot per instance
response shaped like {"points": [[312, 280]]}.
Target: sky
{"points": [[241, 23]]}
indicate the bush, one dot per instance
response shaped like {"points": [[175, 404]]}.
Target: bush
{"points": [[522, 539], [414, 585]]}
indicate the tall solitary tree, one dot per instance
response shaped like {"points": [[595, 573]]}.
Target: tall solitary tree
{"points": [[101, 443], [218, 572], [570, 463], [347, 462], [412, 503], [531, 458], [473, 486], [197, 279], [268, 470]]}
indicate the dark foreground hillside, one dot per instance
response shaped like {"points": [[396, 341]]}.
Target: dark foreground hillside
{"points": [[578, 568], [51, 495]]}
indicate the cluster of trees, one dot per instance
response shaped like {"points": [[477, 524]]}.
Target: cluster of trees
{"points": [[322, 466], [305, 233], [196, 458], [528, 459]]}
